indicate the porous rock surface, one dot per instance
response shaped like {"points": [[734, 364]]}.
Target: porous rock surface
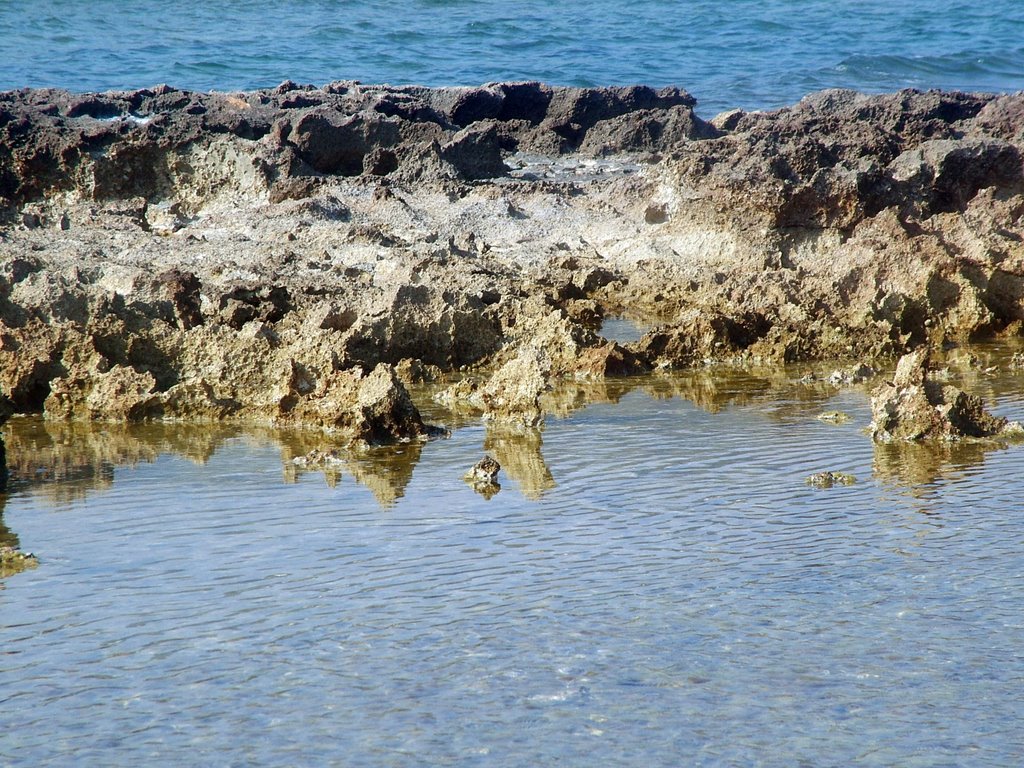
{"points": [[273, 255], [916, 406]]}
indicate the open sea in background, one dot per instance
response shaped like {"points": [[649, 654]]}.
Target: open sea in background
{"points": [[753, 54], [654, 585]]}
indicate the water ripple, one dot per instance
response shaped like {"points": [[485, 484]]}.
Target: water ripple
{"points": [[655, 583], [730, 54]]}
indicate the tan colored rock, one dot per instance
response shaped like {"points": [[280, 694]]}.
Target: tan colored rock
{"points": [[461, 395], [194, 401], [914, 406], [384, 410], [413, 372], [512, 394], [249, 260], [699, 334], [374, 407], [120, 394]]}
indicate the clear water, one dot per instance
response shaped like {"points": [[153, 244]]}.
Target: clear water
{"points": [[728, 53], [623, 329], [654, 585]]}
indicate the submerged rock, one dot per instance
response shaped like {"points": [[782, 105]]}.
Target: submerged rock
{"points": [[829, 479], [834, 417], [915, 406], [14, 561]]}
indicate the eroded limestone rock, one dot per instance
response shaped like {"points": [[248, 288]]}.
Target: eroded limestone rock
{"points": [[915, 406], [374, 407], [249, 256], [513, 393], [611, 359]]}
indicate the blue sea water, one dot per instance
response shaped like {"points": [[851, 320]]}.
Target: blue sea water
{"points": [[728, 53]]}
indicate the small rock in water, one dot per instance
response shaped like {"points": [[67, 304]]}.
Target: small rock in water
{"points": [[13, 560], [483, 476], [484, 472], [828, 479], [834, 417], [856, 374]]}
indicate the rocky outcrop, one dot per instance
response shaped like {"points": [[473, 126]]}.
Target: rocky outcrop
{"points": [[154, 142], [271, 255], [513, 393], [916, 406]]}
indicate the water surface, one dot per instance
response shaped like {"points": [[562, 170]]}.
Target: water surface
{"points": [[729, 53], [654, 584]]}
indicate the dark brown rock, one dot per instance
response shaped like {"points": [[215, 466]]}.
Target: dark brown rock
{"points": [[610, 359], [184, 288]]}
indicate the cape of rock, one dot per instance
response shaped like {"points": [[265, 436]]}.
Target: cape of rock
{"points": [[172, 254]]}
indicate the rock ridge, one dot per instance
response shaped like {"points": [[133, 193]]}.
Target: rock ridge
{"points": [[278, 255]]}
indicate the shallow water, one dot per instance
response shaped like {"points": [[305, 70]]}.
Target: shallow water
{"points": [[728, 53], [654, 584], [624, 330]]}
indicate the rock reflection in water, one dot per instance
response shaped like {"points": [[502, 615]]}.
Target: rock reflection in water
{"points": [[12, 559], [8, 538], [518, 450], [917, 467], [385, 472], [790, 391], [573, 395], [64, 461]]}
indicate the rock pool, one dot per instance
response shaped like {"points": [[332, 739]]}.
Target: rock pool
{"points": [[654, 584]]}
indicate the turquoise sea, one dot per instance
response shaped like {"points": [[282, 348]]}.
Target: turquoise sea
{"points": [[728, 53]]}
